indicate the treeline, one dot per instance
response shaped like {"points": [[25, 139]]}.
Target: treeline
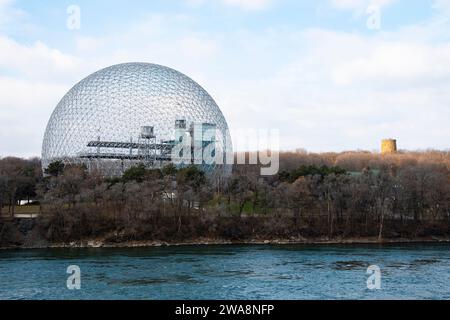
{"points": [[18, 181], [314, 196]]}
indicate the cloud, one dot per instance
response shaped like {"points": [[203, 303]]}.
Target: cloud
{"points": [[348, 91], [33, 79], [392, 63], [442, 8], [36, 61], [25, 107], [8, 13], [323, 89]]}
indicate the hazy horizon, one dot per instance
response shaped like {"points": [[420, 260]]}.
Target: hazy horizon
{"points": [[297, 151]]}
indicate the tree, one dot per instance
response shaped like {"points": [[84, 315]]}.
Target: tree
{"points": [[3, 192], [55, 168], [239, 191], [300, 197], [136, 173], [67, 186], [18, 179], [310, 170]]}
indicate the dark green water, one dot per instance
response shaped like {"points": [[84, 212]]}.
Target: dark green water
{"points": [[419, 271]]}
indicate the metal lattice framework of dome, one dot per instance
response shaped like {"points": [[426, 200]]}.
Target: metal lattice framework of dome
{"points": [[100, 121]]}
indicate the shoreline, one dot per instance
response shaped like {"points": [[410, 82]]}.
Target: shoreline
{"points": [[97, 243]]}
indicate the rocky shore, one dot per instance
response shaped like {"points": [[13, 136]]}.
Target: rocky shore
{"points": [[101, 243]]}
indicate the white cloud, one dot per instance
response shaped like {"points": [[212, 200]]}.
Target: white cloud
{"points": [[396, 64], [32, 81], [348, 91], [36, 61], [324, 89], [25, 107], [442, 5], [9, 14], [442, 10]]}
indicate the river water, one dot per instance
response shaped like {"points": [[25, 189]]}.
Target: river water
{"points": [[415, 271]]}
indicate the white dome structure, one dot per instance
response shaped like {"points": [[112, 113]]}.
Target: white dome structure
{"points": [[128, 114]]}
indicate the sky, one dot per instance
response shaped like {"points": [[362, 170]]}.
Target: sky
{"points": [[330, 75]]}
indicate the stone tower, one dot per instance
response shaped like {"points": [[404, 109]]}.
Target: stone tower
{"points": [[388, 146]]}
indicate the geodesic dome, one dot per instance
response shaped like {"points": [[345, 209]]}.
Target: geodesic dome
{"points": [[112, 106]]}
